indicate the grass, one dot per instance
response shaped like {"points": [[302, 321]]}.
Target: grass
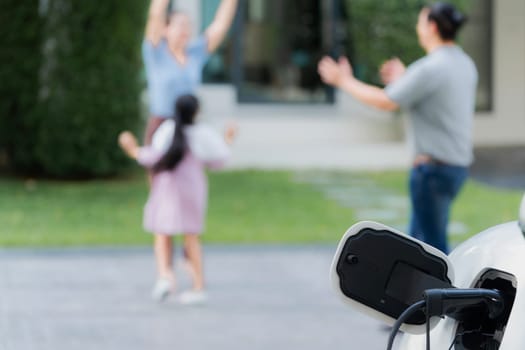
{"points": [[245, 207], [47, 213]]}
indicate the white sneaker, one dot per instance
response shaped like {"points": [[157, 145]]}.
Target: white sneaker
{"points": [[163, 287], [193, 297]]}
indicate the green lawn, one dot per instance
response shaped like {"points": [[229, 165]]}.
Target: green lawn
{"points": [[245, 207]]}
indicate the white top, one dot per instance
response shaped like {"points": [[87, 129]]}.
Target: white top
{"points": [[204, 142]]}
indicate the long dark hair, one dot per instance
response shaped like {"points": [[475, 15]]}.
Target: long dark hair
{"points": [[186, 109], [447, 18]]}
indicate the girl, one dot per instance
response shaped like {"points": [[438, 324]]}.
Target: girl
{"points": [[178, 196]]}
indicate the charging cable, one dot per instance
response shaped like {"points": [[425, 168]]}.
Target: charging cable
{"points": [[402, 318]]}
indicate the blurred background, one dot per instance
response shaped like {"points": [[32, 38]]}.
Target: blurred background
{"points": [[75, 265], [72, 77]]}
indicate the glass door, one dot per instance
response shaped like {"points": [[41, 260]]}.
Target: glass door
{"points": [[279, 43]]}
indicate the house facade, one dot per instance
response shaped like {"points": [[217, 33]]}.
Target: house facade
{"points": [[265, 79]]}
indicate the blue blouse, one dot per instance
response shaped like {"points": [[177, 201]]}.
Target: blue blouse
{"points": [[167, 78]]}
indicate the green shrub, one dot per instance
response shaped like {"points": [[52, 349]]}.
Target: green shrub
{"points": [[74, 86], [90, 85], [19, 69]]}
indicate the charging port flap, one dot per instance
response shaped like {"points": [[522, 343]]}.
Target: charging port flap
{"points": [[381, 272]]}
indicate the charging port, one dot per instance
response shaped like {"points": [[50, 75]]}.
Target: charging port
{"points": [[479, 331]]}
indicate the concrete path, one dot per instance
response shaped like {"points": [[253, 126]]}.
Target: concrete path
{"points": [[260, 298], [367, 199]]}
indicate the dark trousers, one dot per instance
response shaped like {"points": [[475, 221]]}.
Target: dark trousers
{"points": [[433, 187]]}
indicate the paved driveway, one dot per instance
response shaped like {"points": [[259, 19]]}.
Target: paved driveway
{"points": [[260, 298]]}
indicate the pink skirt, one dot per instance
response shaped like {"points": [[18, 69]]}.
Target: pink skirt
{"points": [[178, 199]]}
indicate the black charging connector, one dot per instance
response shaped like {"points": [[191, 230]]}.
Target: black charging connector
{"points": [[459, 304]]}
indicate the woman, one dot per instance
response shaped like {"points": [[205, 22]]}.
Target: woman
{"points": [[174, 64], [439, 92]]}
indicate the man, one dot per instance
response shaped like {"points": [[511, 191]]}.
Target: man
{"points": [[439, 92]]}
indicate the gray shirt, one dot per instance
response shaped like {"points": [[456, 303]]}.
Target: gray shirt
{"points": [[439, 91]]}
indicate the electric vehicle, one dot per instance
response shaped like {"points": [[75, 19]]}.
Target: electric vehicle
{"points": [[472, 299]]}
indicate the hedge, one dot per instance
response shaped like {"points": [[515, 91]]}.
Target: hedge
{"points": [[91, 85], [88, 87], [19, 69]]}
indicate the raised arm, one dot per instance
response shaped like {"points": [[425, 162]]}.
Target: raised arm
{"points": [[230, 133], [146, 156], [222, 22], [340, 75], [128, 143], [156, 23]]}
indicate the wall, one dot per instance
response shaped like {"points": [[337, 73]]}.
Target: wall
{"points": [[505, 125]]}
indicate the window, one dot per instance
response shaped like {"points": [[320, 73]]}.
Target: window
{"points": [[272, 52], [476, 40], [281, 42], [219, 67]]}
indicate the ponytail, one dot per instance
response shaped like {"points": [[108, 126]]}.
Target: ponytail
{"points": [[448, 19], [185, 110]]}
